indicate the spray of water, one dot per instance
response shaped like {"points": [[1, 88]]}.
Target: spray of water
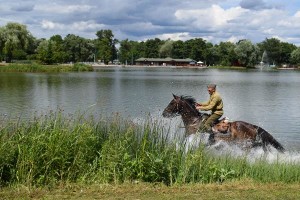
{"points": [[252, 155], [175, 130]]}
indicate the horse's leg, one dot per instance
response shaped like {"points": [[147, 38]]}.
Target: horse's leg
{"points": [[211, 139]]}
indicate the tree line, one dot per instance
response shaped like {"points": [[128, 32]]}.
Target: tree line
{"points": [[17, 43]]}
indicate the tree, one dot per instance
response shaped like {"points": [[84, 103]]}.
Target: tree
{"points": [[195, 49], [273, 49], [178, 49], [106, 45], [295, 56], [78, 49], [129, 51], [15, 41], [286, 51], [247, 53], [152, 48], [59, 53], [166, 48], [44, 52], [226, 53]]}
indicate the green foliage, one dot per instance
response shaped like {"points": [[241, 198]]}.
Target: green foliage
{"points": [[247, 53], [78, 49], [79, 67], [226, 54], [151, 47], [166, 48], [277, 51], [56, 148], [295, 56], [34, 67], [15, 41], [106, 45], [195, 49]]}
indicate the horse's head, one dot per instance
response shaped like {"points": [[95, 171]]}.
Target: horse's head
{"points": [[178, 105]]}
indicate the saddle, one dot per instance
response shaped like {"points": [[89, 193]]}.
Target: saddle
{"points": [[224, 130]]}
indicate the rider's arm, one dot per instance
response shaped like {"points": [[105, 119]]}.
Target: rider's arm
{"points": [[204, 103], [212, 103]]}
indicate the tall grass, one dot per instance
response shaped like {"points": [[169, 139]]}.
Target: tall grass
{"points": [[57, 148]]}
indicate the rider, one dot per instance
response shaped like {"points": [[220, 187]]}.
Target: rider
{"points": [[214, 104]]}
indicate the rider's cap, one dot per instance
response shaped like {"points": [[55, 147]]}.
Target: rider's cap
{"points": [[212, 86]]}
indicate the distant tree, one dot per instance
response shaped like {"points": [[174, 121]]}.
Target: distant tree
{"points": [[247, 53], [295, 56], [226, 53], [195, 49], [44, 52], [209, 56], [286, 51], [78, 49], [272, 47], [165, 50], [105, 43], [178, 49], [129, 51], [15, 41], [151, 47], [58, 52]]}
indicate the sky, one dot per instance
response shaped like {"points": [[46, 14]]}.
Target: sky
{"points": [[213, 20]]}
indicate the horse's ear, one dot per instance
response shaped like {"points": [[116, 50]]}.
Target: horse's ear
{"points": [[175, 96]]}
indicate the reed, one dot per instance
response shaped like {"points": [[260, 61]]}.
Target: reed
{"points": [[57, 148]]}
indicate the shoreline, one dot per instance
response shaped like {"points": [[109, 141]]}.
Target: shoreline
{"points": [[147, 66]]}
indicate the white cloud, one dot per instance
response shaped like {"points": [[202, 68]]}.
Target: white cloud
{"points": [[63, 9], [176, 36], [214, 17], [51, 25], [235, 39], [83, 26]]}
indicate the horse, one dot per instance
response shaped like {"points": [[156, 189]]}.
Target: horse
{"points": [[230, 132]]}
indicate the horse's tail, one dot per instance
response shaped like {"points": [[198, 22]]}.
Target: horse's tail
{"points": [[267, 138]]}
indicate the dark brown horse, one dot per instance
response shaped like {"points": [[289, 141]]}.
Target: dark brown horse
{"points": [[239, 131], [233, 132]]}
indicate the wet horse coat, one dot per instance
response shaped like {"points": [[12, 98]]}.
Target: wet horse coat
{"points": [[240, 131]]}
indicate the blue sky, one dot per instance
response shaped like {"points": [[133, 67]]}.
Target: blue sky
{"points": [[212, 20]]}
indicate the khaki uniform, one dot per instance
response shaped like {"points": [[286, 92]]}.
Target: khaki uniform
{"points": [[215, 104]]}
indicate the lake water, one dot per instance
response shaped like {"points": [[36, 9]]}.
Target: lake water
{"points": [[269, 99]]}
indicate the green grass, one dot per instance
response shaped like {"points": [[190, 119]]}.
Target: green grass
{"points": [[243, 189], [58, 149], [45, 68]]}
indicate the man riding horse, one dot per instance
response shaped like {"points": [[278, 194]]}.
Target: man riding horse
{"points": [[215, 105]]}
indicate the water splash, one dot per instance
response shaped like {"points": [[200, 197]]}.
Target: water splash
{"points": [[252, 155], [176, 132]]}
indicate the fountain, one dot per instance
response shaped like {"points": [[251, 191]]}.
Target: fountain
{"points": [[264, 61]]}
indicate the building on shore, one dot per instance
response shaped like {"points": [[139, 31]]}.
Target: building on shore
{"points": [[165, 62]]}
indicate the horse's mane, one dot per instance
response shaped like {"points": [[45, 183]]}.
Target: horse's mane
{"points": [[189, 99]]}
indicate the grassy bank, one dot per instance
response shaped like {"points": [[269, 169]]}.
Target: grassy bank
{"points": [[57, 149], [231, 190], [44, 68]]}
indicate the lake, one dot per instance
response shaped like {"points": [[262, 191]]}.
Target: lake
{"points": [[269, 99]]}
